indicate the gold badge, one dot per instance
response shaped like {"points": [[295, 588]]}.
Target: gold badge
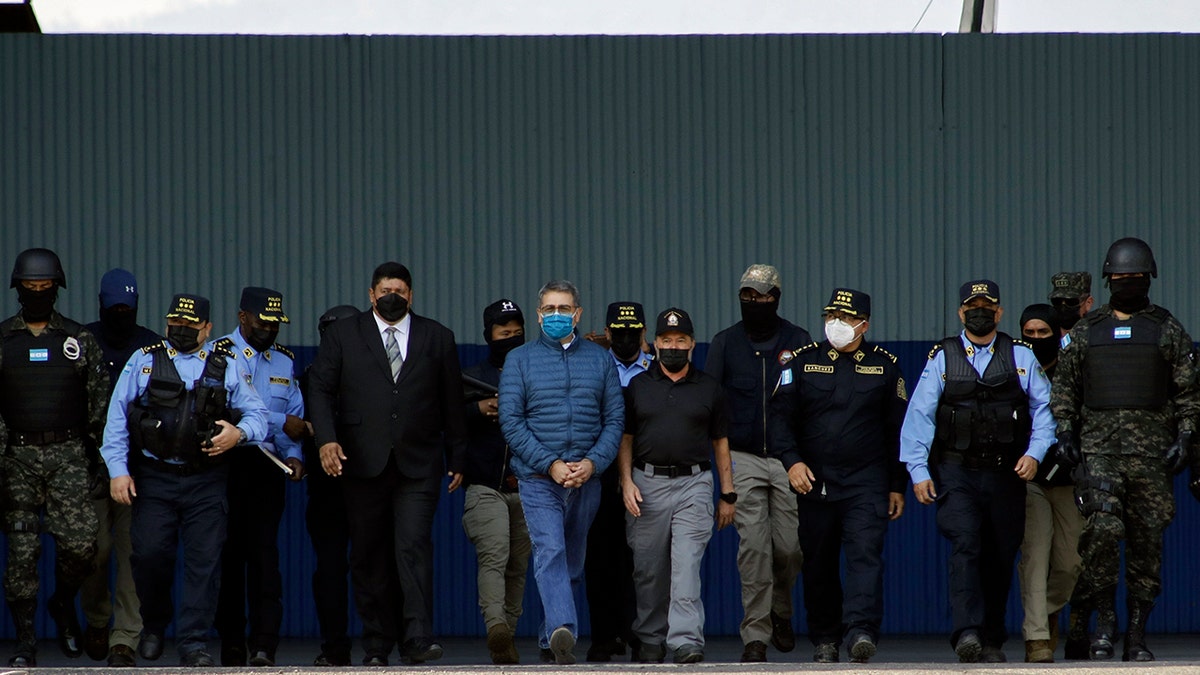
{"points": [[901, 392], [248, 352], [814, 368], [868, 370], [281, 380], [146, 370]]}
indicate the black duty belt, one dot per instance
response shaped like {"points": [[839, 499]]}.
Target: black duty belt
{"points": [[43, 437], [978, 462], [674, 470], [159, 465]]}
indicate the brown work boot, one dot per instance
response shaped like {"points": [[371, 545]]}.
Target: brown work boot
{"points": [[1052, 622], [1038, 651], [501, 646]]}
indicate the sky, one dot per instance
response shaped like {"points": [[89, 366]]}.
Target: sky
{"points": [[570, 17]]}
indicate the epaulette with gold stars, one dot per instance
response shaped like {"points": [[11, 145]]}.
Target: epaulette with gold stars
{"points": [[805, 348], [933, 352], [284, 350], [1022, 343], [156, 347], [224, 346], [881, 350]]}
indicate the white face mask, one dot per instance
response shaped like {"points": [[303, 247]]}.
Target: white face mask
{"points": [[839, 333]]}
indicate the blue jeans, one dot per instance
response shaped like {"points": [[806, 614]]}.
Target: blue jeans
{"points": [[558, 519]]}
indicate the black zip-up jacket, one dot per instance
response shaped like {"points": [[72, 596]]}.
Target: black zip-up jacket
{"points": [[487, 451], [749, 376]]}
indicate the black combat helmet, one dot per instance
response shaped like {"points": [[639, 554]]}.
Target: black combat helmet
{"points": [[38, 263], [1130, 256], [334, 314]]}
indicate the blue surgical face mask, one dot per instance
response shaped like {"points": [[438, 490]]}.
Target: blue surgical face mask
{"points": [[557, 326]]}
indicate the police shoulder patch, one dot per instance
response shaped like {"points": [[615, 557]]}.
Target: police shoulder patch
{"points": [[1022, 343], [933, 352], [284, 350], [881, 350], [156, 347], [225, 346], [808, 347]]}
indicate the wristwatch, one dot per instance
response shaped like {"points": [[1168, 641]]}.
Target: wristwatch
{"points": [[729, 497], [242, 437]]}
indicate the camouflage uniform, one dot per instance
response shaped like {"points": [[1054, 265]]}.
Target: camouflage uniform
{"points": [[1124, 448], [51, 476]]}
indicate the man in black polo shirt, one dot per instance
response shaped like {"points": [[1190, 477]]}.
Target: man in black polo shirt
{"points": [[674, 414], [835, 424]]}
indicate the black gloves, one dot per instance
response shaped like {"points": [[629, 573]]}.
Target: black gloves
{"points": [[1068, 449], [1177, 454]]}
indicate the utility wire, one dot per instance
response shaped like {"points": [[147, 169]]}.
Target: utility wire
{"points": [[918, 23]]}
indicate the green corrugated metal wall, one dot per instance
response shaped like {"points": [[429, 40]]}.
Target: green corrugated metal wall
{"points": [[652, 168]]}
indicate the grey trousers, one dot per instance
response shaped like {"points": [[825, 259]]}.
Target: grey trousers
{"points": [[769, 557], [495, 523], [1050, 561], [668, 542]]}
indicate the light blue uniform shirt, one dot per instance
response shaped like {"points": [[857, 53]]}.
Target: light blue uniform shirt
{"points": [[628, 372], [131, 385], [917, 433], [274, 378]]}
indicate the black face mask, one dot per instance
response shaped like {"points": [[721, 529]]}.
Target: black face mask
{"points": [[626, 344], [118, 326], [1044, 348], [761, 319], [499, 349], [1067, 314], [260, 339], [392, 307], [980, 321], [1130, 294], [673, 360], [36, 306], [184, 338]]}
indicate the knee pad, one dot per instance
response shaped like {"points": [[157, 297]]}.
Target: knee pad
{"points": [[1094, 494]]}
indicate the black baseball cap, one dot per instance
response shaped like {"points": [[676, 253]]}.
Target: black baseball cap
{"points": [[263, 303], [674, 320], [499, 313], [980, 288], [849, 301]]}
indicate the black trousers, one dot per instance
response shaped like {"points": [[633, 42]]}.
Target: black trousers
{"points": [[608, 567], [982, 513], [854, 526], [391, 555], [251, 585], [328, 528]]}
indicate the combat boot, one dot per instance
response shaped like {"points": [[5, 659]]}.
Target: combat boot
{"points": [[1077, 647], [1135, 636], [23, 612], [1106, 630]]}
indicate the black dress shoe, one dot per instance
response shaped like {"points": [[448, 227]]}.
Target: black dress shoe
{"points": [[95, 642], [151, 646], [324, 660], [233, 656], [755, 652], [196, 659], [22, 661], [826, 652], [260, 658], [121, 656], [420, 650], [782, 635], [375, 661], [70, 635]]}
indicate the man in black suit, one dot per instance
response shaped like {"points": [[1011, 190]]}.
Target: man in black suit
{"points": [[386, 409]]}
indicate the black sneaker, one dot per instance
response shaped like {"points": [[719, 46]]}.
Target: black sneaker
{"points": [[862, 648], [826, 652], [196, 659], [968, 647]]}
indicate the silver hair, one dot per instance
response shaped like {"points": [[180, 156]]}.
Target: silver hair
{"points": [[559, 286]]}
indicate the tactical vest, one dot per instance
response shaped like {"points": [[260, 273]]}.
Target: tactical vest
{"points": [[1125, 368], [172, 421], [982, 416], [42, 388]]}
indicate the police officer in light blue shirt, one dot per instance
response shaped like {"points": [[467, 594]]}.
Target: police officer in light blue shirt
{"points": [[177, 397], [976, 428], [250, 561]]}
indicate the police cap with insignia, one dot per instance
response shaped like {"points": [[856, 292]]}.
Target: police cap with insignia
{"points": [[193, 308], [623, 315], [849, 301], [263, 303], [1070, 285], [980, 288], [674, 320]]}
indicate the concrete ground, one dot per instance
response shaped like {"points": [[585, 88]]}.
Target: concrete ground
{"points": [[1176, 654]]}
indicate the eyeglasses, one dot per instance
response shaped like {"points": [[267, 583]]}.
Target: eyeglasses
{"points": [[550, 310], [751, 295]]}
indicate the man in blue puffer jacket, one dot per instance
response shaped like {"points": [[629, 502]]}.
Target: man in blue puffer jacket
{"points": [[562, 413]]}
